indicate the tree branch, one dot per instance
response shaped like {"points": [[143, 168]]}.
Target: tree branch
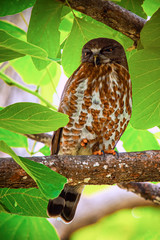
{"points": [[148, 191], [110, 14], [107, 169], [93, 208], [42, 137]]}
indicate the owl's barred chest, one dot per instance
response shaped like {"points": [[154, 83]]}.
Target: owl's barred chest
{"points": [[99, 108]]}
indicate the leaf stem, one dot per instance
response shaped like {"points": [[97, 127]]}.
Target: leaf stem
{"points": [[76, 19], [11, 82], [22, 16]]}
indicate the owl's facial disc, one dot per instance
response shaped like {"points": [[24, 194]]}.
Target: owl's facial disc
{"points": [[103, 51], [97, 56]]}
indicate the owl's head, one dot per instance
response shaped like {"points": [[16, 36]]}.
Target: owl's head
{"points": [[102, 51]]}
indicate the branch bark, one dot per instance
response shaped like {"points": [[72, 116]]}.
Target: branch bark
{"points": [[92, 208], [42, 137], [110, 14], [107, 169], [146, 190]]}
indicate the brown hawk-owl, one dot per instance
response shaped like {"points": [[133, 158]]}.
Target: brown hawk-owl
{"points": [[98, 99]]}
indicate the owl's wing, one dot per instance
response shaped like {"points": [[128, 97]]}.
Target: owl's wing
{"points": [[57, 134], [56, 141]]}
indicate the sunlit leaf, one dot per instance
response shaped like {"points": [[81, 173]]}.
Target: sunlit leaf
{"points": [[139, 140], [44, 24], [29, 73], [13, 30], [65, 26], [145, 72], [138, 226], [20, 227], [11, 47], [157, 135], [13, 139], [150, 34], [45, 151], [133, 6], [49, 182], [31, 118], [151, 6], [25, 202]]}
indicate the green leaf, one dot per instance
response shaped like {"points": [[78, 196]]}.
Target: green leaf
{"points": [[11, 47], [83, 31], [13, 139], [44, 24], [157, 135], [138, 140], [24, 202], [30, 118], [65, 11], [133, 6], [29, 73], [49, 182], [65, 26], [151, 6], [13, 30], [142, 223], [20, 227], [45, 151], [14, 6], [47, 91], [145, 72], [150, 34]]}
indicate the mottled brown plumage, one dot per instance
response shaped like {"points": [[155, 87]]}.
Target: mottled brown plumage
{"points": [[98, 99]]}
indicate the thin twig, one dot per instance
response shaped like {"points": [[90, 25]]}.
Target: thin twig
{"points": [[11, 82]]}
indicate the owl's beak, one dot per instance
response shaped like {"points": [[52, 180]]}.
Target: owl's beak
{"points": [[96, 59]]}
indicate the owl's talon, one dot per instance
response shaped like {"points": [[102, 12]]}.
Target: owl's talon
{"points": [[84, 142], [99, 152], [110, 152]]}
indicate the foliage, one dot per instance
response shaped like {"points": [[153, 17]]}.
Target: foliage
{"points": [[129, 224], [54, 40]]}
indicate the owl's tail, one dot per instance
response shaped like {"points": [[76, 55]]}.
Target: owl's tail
{"points": [[66, 203]]}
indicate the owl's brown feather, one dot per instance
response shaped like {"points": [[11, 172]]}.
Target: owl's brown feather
{"points": [[98, 99]]}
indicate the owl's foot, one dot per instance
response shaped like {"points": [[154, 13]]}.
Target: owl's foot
{"points": [[84, 142], [110, 152], [101, 152]]}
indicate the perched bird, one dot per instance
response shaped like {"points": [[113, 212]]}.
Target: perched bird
{"points": [[98, 100]]}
